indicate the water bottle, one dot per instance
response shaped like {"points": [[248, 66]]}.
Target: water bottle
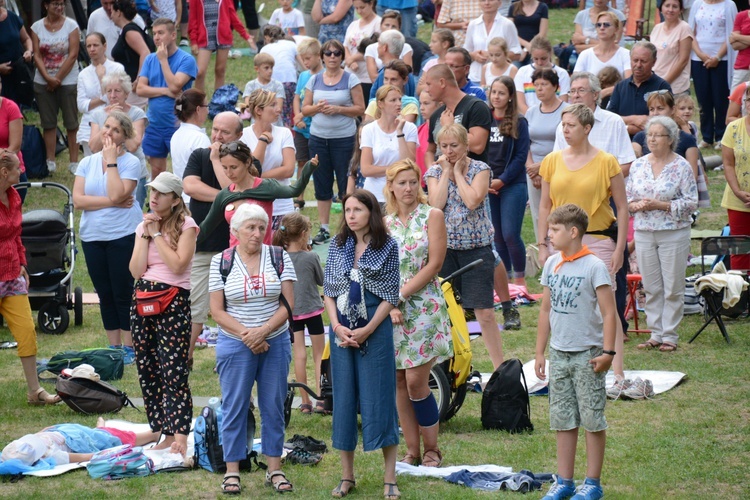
{"points": [[215, 405]]}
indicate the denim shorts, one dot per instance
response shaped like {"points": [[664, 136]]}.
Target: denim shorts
{"points": [[577, 395]]}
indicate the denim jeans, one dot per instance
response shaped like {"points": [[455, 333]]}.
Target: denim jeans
{"points": [[408, 19], [334, 156], [238, 370], [711, 89], [506, 210], [107, 263], [365, 379]]}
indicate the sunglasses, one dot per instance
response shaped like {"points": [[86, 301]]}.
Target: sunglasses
{"points": [[656, 92], [232, 147], [333, 53], [603, 25]]}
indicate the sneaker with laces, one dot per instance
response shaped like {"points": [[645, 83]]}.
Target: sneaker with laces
{"points": [[72, 167], [129, 357], [322, 236], [512, 319], [51, 166], [589, 490], [307, 443], [616, 390], [184, 42], [560, 490], [299, 456], [639, 389]]}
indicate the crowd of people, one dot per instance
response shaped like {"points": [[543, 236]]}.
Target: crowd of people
{"points": [[433, 151]]}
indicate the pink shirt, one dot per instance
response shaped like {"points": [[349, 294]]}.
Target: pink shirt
{"points": [[157, 270], [232, 207], [742, 25], [9, 112]]}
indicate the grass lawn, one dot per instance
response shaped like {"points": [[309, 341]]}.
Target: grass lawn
{"points": [[691, 442]]}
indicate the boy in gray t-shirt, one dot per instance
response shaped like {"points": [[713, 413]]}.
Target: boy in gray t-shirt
{"points": [[579, 312]]}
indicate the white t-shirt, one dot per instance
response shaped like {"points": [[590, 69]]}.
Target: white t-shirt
{"points": [[111, 223], [290, 22], [477, 38], [284, 53], [89, 87], [384, 152], [355, 33], [587, 61], [99, 22], [372, 51], [55, 48], [185, 140], [282, 139], [524, 84]]}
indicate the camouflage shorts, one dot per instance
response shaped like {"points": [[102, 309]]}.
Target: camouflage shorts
{"points": [[577, 395]]}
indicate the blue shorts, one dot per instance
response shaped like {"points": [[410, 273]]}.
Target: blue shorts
{"points": [[156, 141]]}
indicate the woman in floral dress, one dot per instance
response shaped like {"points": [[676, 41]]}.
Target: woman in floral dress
{"points": [[421, 330]]}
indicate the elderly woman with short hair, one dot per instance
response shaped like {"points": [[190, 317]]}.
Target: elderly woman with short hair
{"points": [[662, 195], [248, 302]]}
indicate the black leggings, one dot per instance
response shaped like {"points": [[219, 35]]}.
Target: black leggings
{"points": [[251, 15]]}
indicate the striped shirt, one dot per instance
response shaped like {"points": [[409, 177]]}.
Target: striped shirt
{"points": [[252, 300]]}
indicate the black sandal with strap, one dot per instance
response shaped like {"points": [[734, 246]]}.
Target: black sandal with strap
{"points": [[236, 488], [392, 494], [338, 491]]}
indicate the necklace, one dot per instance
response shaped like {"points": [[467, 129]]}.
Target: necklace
{"points": [[53, 26], [329, 79]]}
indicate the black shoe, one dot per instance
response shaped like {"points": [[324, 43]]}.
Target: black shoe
{"points": [[512, 319], [299, 456], [307, 443], [322, 237]]}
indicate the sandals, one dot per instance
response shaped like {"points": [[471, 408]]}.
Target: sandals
{"points": [[339, 492], [233, 488], [283, 486], [306, 408], [300, 204], [431, 461], [320, 409], [40, 397], [649, 344], [410, 459], [668, 347], [392, 494]]}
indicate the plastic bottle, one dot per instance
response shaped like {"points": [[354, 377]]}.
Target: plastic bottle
{"points": [[215, 405]]}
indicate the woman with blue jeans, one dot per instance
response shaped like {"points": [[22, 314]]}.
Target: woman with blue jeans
{"points": [[508, 150], [334, 100], [361, 286], [104, 189], [253, 345]]}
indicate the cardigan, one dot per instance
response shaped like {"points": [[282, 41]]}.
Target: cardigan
{"points": [[228, 21]]}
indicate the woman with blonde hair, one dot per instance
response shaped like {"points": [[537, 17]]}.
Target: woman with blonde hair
{"points": [[161, 262], [421, 328], [386, 140], [607, 52]]}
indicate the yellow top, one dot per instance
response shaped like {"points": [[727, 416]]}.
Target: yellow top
{"points": [[737, 138]]}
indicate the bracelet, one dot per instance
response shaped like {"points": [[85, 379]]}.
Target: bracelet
{"points": [[145, 236], [541, 243], [334, 328], [158, 233], [611, 353], [401, 299], [263, 139], [269, 327], [111, 165], [400, 136]]}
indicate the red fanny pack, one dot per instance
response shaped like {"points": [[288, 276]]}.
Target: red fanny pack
{"points": [[153, 303]]}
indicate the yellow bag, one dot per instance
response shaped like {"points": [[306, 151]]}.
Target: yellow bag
{"points": [[460, 364]]}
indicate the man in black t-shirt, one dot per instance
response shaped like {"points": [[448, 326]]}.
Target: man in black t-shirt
{"points": [[458, 107], [203, 179]]}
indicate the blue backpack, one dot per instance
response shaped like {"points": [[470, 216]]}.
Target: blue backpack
{"points": [[120, 462], [209, 453], [224, 99]]}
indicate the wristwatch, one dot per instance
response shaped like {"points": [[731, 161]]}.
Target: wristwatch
{"points": [[588, 39], [611, 353], [158, 233]]}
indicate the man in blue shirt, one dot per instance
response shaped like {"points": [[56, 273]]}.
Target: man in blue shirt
{"points": [[164, 75], [458, 60], [629, 96]]}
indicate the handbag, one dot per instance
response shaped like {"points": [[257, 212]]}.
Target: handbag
{"points": [[154, 303]]}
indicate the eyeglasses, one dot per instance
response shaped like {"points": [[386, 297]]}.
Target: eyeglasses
{"points": [[603, 25], [579, 91], [656, 92], [57, 4], [655, 136], [333, 53]]}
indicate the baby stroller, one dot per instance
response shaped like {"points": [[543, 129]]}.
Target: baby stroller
{"points": [[49, 238]]}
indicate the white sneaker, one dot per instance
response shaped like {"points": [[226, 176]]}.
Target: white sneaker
{"points": [[639, 389], [73, 167], [618, 388], [51, 166]]}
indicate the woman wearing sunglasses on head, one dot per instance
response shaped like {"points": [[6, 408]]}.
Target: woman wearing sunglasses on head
{"points": [[607, 52], [248, 187]]}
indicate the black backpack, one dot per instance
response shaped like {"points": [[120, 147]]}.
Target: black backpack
{"points": [[505, 401], [209, 452], [32, 147], [91, 397], [224, 99]]}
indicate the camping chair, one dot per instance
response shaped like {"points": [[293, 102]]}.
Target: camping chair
{"points": [[714, 310]]}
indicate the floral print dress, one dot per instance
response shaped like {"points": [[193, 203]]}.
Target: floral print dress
{"points": [[426, 332]]}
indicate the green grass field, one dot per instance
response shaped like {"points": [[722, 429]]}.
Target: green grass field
{"points": [[691, 442]]}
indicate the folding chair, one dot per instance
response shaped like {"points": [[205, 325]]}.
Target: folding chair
{"points": [[714, 310]]}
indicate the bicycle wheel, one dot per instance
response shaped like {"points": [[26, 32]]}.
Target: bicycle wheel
{"points": [[440, 388], [456, 402]]}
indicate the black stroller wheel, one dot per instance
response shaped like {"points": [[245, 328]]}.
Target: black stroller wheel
{"points": [[78, 306], [288, 406], [441, 388], [53, 318]]}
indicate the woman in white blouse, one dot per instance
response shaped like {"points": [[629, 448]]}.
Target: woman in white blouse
{"points": [[90, 92], [662, 195], [191, 109], [481, 30], [386, 140], [272, 146], [607, 52]]}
